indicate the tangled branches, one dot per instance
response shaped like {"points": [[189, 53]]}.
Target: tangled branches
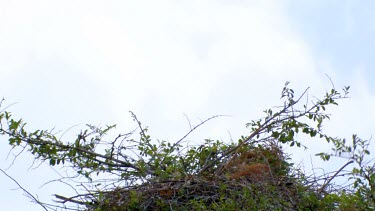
{"points": [[145, 174]]}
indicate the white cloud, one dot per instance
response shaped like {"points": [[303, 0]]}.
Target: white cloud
{"points": [[92, 61], [178, 56]]}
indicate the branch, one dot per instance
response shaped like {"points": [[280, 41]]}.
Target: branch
{"points": [[24, 190], [63, 146], [253, 134], [194, 128], [325, 184], [71, 199]]}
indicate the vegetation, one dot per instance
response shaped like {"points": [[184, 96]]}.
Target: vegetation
{"points": [[132, 172]]}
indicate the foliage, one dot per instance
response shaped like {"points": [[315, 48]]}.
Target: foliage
{"points": [[250, 174]]}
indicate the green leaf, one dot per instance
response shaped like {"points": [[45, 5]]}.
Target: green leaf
{"points": [[12, 141], [14, 124], [313, 133], [327, 157], [275, 134], [52, 162], [306, 130], [7, 115], [290, 135]]}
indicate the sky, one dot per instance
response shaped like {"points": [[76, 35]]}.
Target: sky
{"points": [[68, 63]]}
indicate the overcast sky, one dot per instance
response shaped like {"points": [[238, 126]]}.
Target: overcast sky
{"points": [[69, 63]]}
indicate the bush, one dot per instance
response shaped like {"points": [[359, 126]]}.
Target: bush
{"points": [[250, 174]]}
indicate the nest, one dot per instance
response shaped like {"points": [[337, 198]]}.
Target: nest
{"points": [[201, 192], [253, 179]]}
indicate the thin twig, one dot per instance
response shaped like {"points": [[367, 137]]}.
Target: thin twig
{"points": [[194, 128], [330, 179], [27, 192], [71, 199], [187, 118]]}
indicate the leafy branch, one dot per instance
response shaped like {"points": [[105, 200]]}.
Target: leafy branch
{"points": [[284, 124], [150, 174]]}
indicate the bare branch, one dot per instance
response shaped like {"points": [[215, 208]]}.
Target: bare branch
{"points": [[194, 128], [330, 179], [24, 190]]}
